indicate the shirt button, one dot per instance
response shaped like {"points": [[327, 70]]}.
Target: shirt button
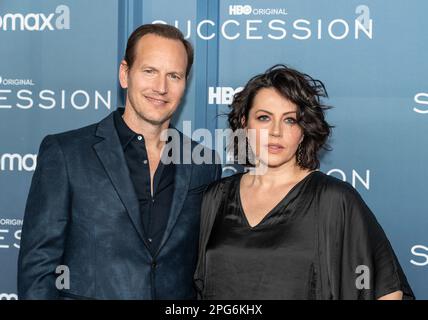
{"points": [[140, 138], [150, 240], [145, 161]]}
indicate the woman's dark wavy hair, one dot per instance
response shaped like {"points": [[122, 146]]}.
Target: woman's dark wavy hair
{"points": [[302, 90]]}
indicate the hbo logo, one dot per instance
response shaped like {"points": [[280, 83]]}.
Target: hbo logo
{"points": [[222, 95], [236, 10]]}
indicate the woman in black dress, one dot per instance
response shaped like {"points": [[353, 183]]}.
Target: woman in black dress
{"points": [[289, 231]]}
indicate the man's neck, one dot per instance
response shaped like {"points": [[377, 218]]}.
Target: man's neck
{"points": [[150, 132]]}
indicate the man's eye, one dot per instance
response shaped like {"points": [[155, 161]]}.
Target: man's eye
{"points": [[149, 71], [263, 118], [174, 76]]}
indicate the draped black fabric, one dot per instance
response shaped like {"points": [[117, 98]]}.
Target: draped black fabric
{"points": [[272, 260], [320, 242]]}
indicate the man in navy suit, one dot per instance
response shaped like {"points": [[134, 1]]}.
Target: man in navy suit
{"points": [[104, 212]]}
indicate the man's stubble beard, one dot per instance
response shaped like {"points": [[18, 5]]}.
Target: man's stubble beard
{"points": [[154, 122]]}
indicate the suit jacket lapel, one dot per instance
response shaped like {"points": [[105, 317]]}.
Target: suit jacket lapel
{"points": [[182, 176], [111, 155]]}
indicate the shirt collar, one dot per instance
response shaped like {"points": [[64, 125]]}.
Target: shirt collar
{"points": [[124, 132]]}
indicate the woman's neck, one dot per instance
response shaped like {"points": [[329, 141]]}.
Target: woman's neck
{"points": [[271, 177]]}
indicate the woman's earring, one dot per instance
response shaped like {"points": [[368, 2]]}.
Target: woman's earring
{"points": [[300, 155]]}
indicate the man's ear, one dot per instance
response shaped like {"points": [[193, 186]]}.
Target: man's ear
{"points": [[123, 74]]}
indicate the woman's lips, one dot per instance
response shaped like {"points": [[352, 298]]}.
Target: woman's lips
{"points": [[275, 148]]}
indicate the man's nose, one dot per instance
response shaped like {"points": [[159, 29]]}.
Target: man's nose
{"points": [[161, 85]]}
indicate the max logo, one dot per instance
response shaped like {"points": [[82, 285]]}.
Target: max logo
{"points": [[8, 296], [36, 21]]}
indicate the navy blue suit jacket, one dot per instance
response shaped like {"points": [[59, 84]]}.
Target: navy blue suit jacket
{"points": [[82, 212]]}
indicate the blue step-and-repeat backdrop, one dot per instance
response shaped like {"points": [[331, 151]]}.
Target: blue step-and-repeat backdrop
{"points": [[59, 64]]}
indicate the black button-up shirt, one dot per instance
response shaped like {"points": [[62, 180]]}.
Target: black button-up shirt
{"points": [[154, 208]]}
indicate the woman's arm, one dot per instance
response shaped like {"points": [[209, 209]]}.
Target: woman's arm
{"points": [[397, 295]]}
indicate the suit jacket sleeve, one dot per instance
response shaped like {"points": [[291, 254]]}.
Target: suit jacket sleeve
{"points": [[45, 223], [211, 204], [218, 171]]}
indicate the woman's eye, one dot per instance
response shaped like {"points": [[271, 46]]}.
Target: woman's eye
{"points": [[263, 118], [290, 121]]}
